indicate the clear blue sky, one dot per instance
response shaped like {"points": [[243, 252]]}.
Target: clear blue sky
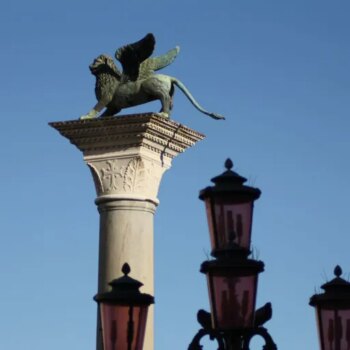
{"points": [[280, 73]]}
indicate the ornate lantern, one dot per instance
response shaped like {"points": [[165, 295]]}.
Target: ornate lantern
{"points": [[124, 313], [232, 286], [229, 205], [333, 313], [232, 277]]}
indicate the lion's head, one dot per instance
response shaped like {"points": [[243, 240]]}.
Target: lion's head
{"points": [[103, 64]]}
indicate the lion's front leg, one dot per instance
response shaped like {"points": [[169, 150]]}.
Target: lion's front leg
{"points": [[91, 115], [95, 111]]}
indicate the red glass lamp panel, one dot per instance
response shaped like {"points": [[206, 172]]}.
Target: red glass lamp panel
{"points": [[229, 222], [123, 326], [334, 328], [232, 300]]}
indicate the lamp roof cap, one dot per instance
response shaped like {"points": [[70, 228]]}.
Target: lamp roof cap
{"points": [[337, 283], [229, 175], [230, 183], [336, 292], [125, 290]]}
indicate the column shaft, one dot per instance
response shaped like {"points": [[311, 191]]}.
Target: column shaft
{"points": [[126, 235]]}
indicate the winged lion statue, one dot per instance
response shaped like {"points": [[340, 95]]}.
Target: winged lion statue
{"points": [[137, 83]]}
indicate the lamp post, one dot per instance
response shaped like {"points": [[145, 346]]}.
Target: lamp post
{"points": [[232, 277], [333, 313], [124, 313]]}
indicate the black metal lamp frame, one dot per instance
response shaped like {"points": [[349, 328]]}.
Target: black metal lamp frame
{"points": [[230, 340]]}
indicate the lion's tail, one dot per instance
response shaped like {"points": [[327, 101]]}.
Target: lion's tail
{"points": [[187, 93]]}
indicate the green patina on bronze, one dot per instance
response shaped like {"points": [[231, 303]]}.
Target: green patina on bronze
{"points": [[137, 83]]}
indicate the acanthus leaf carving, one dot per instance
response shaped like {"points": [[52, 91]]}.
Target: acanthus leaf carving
{"points": [[134, 175], [134, 178]]}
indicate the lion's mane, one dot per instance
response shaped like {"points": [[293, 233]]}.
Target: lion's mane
{"points": [[107, 78]]}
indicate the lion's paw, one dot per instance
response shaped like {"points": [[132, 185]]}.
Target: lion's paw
{"points": [[87, 116]]}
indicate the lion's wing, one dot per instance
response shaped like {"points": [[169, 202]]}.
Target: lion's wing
{"points": [[132, 55], [152, 64]]}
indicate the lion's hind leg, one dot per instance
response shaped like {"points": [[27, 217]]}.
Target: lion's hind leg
{"points": [[165, 100], [167, 104], [158, 88]]}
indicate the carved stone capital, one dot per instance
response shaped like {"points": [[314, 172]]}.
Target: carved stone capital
{"points": [[132, 177], [128, 155]]}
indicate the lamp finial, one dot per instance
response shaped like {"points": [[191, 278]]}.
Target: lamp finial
{"points": [[228, 164], [338, 271], [126, 269]]}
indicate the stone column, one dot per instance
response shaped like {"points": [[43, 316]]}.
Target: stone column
{"points": [[127, 156]]}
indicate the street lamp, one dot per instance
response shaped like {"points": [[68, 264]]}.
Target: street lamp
{"points": [[229, 206], [232, 277], [124, 313], [333, 313]]}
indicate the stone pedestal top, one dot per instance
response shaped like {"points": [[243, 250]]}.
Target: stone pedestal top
{"points": [[128, 154], [110, 134]]}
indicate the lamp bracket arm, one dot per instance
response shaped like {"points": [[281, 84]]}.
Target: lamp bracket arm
{"points": [[195, 343], [262, 332]]}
